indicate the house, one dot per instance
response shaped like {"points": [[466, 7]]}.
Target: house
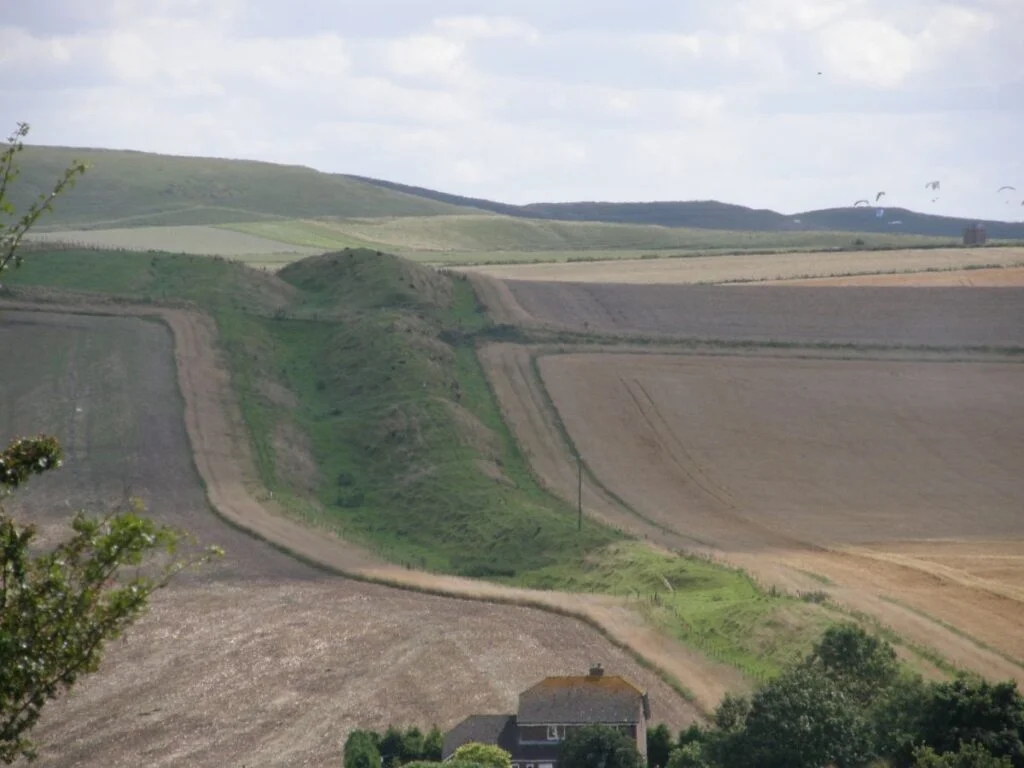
{"points": [[550, 711]]}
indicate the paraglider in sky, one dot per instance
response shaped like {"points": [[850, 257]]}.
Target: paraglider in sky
{"points": [[879, 196], [861, 202], [932, 185], [1005, 188]]}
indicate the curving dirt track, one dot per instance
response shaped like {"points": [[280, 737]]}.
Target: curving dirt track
{"points": [[789, 467], [261, 659]]}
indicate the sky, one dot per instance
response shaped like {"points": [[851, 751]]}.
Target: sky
{"points": [[783, 104]]}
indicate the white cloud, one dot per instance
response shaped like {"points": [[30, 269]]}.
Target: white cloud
{"points": [[531, 100]]}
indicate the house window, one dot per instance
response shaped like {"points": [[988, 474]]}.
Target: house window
{"points": [[530, 765], [552, 733]]}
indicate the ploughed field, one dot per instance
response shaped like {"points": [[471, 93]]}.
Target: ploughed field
{"points": [[812, 439], [946, 317], [759, 267], [258, 657]]}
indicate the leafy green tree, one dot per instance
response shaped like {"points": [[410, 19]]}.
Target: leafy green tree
{"points": [[433, 744], [897, 718], [967, 756], [391, 745], [861, 664], [975, 711], [801, 719], [599, 746], [485, 755], [732, 711], [412, 745], [690, 755], [695, 734], [13, 225], [361, 750], [659, 746], [58, 609]]}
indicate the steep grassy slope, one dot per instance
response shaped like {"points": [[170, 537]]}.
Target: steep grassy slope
{"points": [[369, 415], [366, 414], [139, 189]]}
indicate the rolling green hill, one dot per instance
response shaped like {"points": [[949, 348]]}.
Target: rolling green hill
{"points": [[711, 214], [368, 411], [134, 189], [481, 237]]}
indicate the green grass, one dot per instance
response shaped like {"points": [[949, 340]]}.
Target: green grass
{"points": [[195, 240], [406, 438], [716, 609], [491, 238], [410, 455], [130, 189]]}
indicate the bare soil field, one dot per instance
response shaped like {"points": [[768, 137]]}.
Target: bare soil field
{"points": [[964, 278], [895, 481], [947, 317], [261, 659], [750, 267]]}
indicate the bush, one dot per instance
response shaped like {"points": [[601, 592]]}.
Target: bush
{"points": [[485, 755], [361, 750], [599, 745]]}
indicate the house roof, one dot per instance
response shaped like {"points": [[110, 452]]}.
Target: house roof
{"points": [[590, 699], [486, 729]]}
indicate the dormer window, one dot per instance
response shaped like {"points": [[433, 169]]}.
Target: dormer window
{"points": [[552, 733]]}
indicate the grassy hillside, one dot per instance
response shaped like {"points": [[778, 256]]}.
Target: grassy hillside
{"points": [[363, 417], [132, 189], [711, 214], [470, 238], [369, 415]]}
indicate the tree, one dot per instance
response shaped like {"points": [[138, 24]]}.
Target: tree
{"points": [[433, 745], [361, 750], [659, 746], [690, 755], [801, 719], [968, 756], [975, 711], [599, 746], [412, 745], [14, 226], [58, 609], [861, 664], [391, 745], [484, 755]]}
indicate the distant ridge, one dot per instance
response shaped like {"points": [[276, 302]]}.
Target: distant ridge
{"points": [[712, 214], [137, 189]]}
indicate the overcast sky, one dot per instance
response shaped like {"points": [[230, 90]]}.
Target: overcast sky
{"points": [[549, 100]]}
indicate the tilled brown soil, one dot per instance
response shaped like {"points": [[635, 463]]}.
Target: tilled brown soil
{"points": [[906, 316], [963, 278], [261, 659], [694, 447]]}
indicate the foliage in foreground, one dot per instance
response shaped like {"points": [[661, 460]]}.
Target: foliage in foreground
{"points": [[599, 745], [59, 608], [848, 704], [392, 748]]}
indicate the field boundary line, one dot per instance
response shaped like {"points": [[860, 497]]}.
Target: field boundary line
{"points": [[220, 451]]}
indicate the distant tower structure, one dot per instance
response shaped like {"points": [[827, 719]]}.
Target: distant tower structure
{"points": [[974, 234]]}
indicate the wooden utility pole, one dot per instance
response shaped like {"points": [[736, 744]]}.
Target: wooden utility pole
{"points": [[579, 491]]}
